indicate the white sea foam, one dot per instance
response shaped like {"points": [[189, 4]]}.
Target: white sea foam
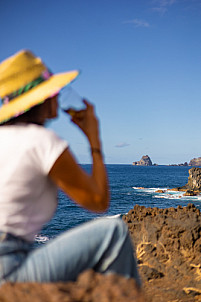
{"points": [[167, 193], [168, 196], [41, 239], [148, 190]]}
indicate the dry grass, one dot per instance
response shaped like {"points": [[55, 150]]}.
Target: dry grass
{"points": [[188, 290], [140, 250], [198, 271], [166, 253]]}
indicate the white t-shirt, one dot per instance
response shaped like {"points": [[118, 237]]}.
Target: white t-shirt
{"points": [[28, 197]]}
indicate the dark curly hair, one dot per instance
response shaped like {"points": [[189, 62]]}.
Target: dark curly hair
{"points": [[32, 116]]}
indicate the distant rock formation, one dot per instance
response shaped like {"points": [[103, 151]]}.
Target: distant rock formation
{"points": [[145, 161], [193, 187], [195, 162], [179, 165]]}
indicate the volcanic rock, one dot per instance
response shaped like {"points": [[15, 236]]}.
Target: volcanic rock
{"points": [[191, 193], [168, 249], [90, 287], [145, 161], [194, 180], [195, 162], [193, 187], [160, 191]]}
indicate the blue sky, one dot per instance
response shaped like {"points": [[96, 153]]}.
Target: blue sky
{"points": [[140, 63]]}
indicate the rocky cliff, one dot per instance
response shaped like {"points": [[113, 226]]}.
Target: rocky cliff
{"points": [[195, 162], [194, 179], [145, 161], [193, 187], [168, 248]]}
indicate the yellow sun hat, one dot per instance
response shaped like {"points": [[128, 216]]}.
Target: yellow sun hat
{"points": [[25, 81]]}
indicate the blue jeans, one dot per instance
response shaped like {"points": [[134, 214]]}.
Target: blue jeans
{"points": [[103, 245]]}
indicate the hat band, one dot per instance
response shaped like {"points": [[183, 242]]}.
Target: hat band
{"points": [[43, 77]]}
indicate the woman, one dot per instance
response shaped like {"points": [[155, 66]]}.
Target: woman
{"points": [[34, 163]]}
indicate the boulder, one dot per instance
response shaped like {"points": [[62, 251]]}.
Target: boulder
{"points": [[191, 193], [160, 191]]}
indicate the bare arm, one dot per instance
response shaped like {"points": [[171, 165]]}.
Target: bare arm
{"points": [[89, 190]]}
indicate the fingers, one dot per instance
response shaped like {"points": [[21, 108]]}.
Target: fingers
{"points": [[80, 113], [76, 114], [89, 105], [86, 120]]}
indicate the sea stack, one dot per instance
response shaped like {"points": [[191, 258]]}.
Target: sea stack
{"points": [[145, 161]]}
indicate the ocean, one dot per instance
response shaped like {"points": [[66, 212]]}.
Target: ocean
{"points": [[129, 185]]}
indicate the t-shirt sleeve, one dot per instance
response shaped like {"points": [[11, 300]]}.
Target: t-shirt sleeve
{"points": [[48, 149]]}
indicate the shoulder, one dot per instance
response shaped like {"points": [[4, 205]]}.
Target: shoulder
{"points": [[24, 129], [44, 136], [39, 146], [41, 131], [46, 146], [34, 132], [30, 136]]}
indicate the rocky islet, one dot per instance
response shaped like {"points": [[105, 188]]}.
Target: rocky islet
{"points": [[145, 161]]}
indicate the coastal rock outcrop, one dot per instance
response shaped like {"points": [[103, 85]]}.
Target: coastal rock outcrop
{"points": [[195, 162], [145, 161], [168, 248], [194, 180], [193, 187]]}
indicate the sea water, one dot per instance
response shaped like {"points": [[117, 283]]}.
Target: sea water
{"points": [[129, 185]]}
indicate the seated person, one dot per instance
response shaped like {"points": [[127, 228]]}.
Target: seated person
{"points": [[34, 163]]}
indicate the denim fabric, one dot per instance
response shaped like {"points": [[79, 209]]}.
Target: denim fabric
{"points": [[13, 251], [103, 245]]}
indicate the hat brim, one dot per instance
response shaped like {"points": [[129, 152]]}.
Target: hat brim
{"points": [[36, 95]]}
